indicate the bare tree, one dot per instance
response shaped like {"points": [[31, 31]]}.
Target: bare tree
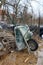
{"points": [[24, 16], [18, 10], [3, 11]]}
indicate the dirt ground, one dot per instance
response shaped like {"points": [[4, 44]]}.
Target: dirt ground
{"points": [[19, 58], [22, 57]]}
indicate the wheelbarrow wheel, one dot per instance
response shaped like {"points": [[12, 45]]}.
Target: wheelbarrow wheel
{"points": [[33, 45]]}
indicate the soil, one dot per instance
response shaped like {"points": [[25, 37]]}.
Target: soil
{"points": [[19, 58]]}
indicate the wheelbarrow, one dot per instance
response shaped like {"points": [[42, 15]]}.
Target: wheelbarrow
{"points": [[23, 38]]}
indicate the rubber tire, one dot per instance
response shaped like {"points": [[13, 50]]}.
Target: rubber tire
{"points": [[35, 44]]}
